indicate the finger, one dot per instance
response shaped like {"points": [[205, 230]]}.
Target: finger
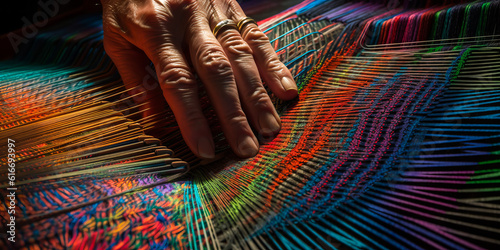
{"points": [[256, 102], [133, 65], [176, 79], [272, 70], [215, 70]]}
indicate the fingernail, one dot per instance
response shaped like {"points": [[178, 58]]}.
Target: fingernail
{"points": [[206, 148], [268, 124], [247, 146], [288, 84]]}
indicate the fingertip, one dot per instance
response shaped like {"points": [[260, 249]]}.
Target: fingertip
{"points": [[289, 88], [269, 124], [206, 149], [247, 146]]}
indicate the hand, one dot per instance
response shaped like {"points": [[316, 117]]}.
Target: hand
{"points": [[171, 33]]}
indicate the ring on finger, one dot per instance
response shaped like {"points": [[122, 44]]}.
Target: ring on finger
{"points": [[244, 22], [224, 25]]}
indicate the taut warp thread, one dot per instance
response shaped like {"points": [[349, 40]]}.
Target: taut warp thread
{"points": [[393, 142]]}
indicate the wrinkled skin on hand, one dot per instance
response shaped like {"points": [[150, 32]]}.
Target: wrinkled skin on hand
{"points": [[173, 33]]}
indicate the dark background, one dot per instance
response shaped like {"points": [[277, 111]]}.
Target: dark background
{"points": [[13, 11]]}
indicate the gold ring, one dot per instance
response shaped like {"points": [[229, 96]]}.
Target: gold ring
{"points": [[223, 25], [244, 22]]}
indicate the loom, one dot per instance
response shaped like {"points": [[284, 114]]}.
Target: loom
{"points": [[393, 142]]}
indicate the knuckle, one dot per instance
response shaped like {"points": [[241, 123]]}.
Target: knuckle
{"points": [[235, 45], [128, 18], [145, 18], [179, 5], [176, 77], [213, 60], [236, 117], [272, 63], [258, 98], [255, 37]]}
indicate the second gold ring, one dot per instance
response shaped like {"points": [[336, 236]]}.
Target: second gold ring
{"points": [[244, 22], [224, 25]]}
